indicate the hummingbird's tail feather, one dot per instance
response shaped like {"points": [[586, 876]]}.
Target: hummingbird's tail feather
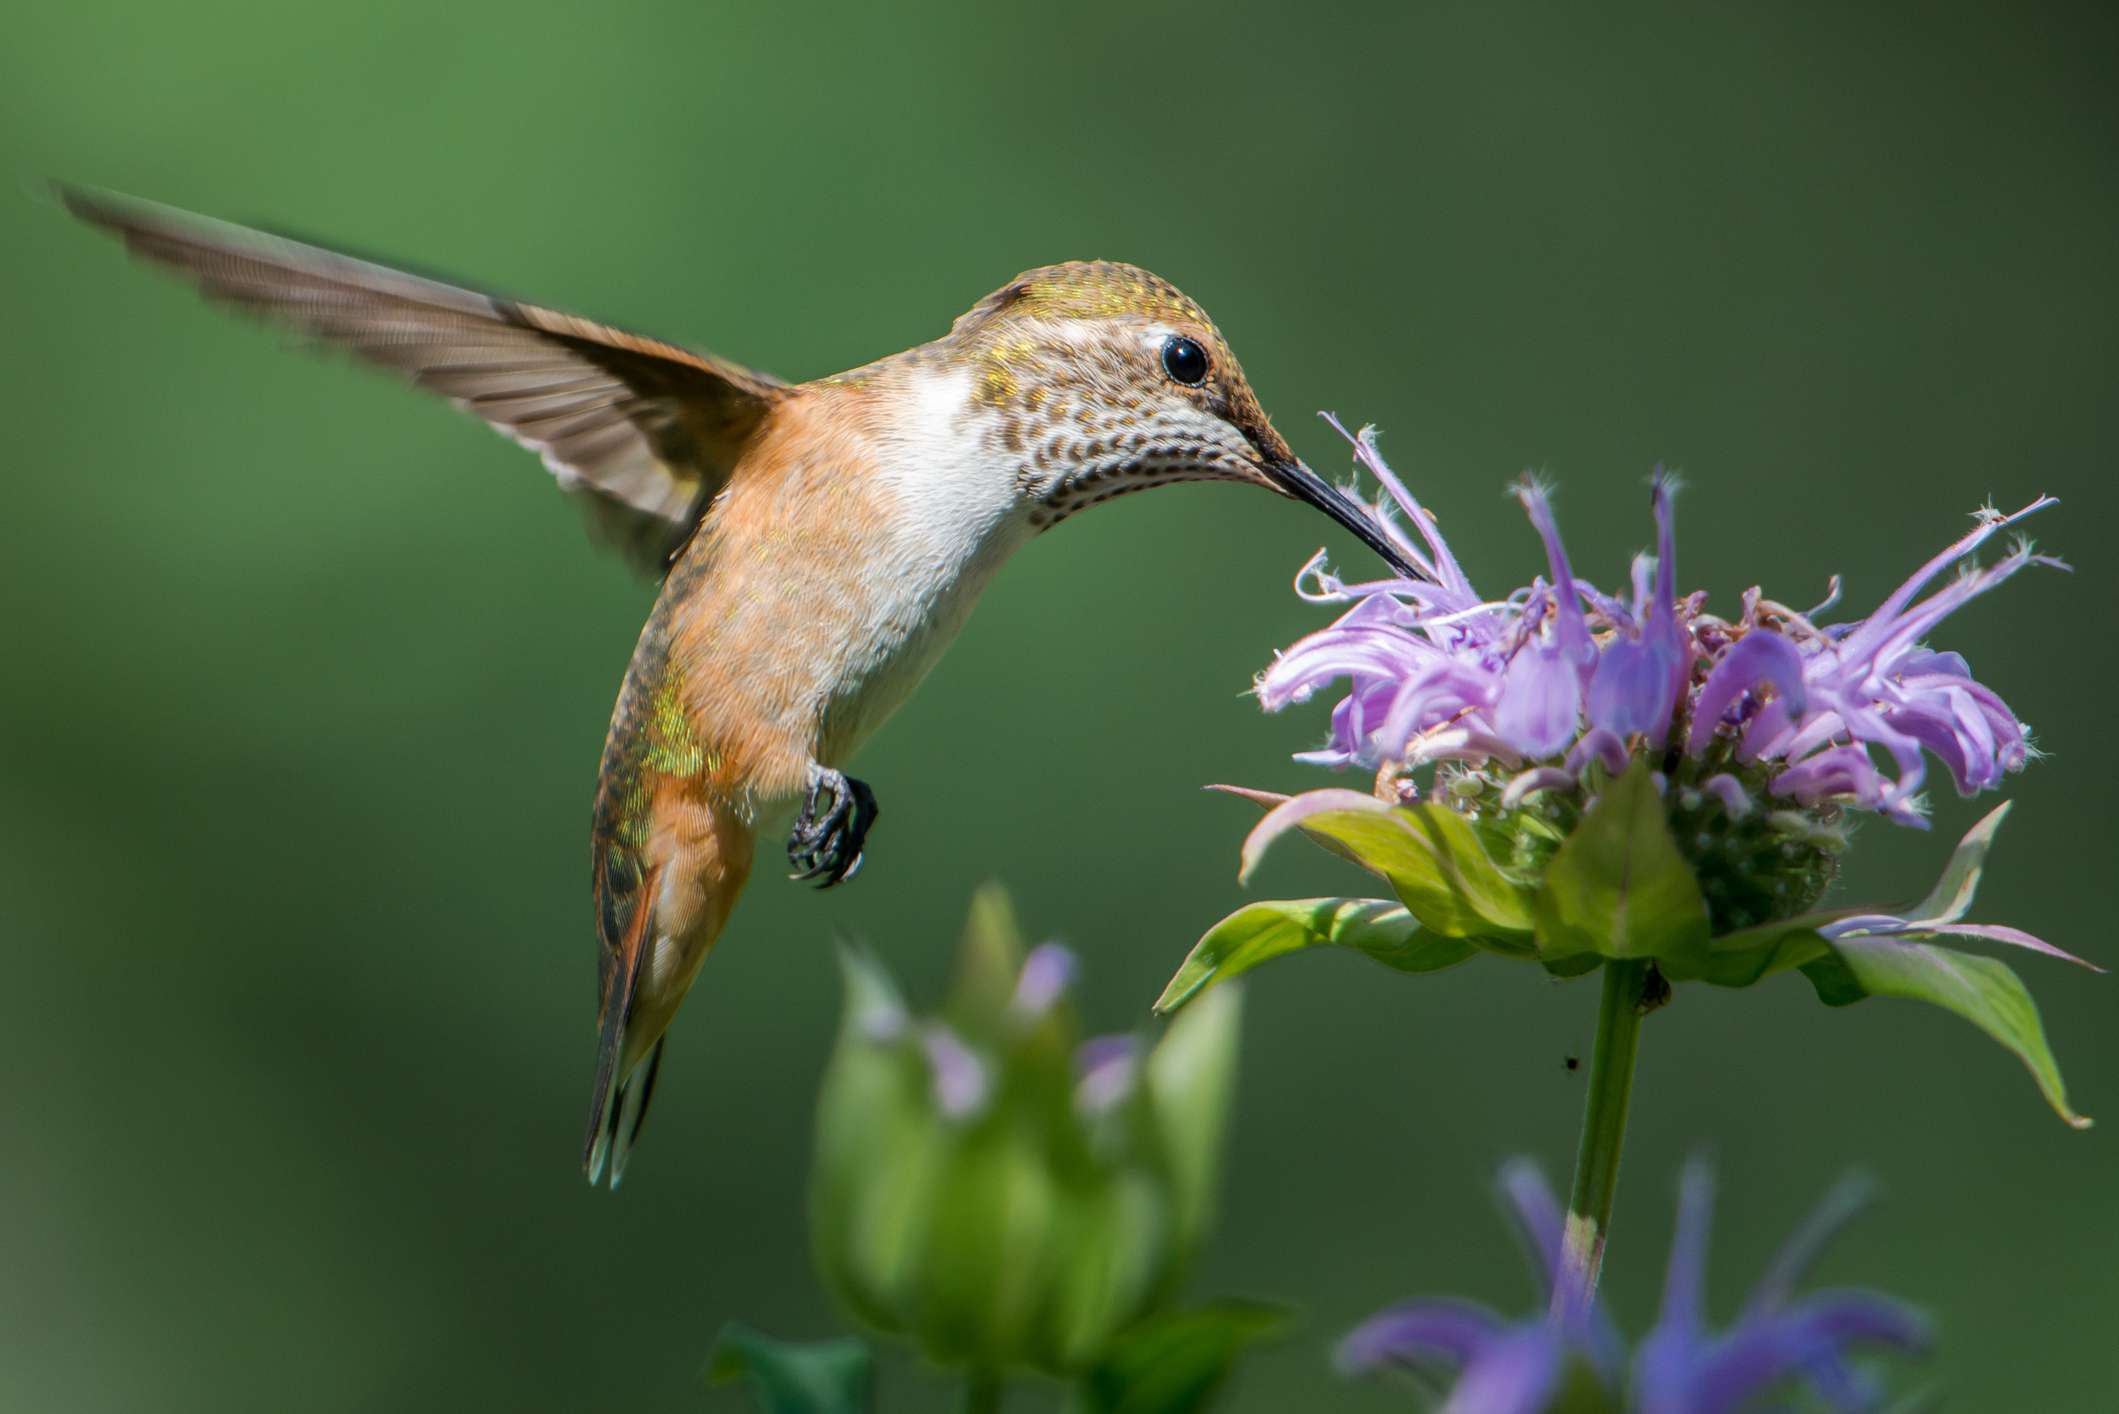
{"points": [[631, 1110], [607, 1100], [617, 1117], [656, 925]]}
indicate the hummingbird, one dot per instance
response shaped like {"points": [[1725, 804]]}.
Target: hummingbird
{"points": [[818, 544]]}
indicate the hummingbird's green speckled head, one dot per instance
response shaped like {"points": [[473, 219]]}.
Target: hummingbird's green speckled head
{"points": [[1102, 378]]}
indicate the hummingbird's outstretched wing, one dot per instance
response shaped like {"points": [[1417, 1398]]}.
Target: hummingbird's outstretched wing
{"points": [[645, 432]]}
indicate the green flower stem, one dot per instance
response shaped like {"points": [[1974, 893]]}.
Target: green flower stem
{"points": [[982, 1392], [1626, 988]]}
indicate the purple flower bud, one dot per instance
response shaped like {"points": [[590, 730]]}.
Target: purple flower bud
{"points": [[1046, 974], [1107, 1067], [959, 1076], [1730, 792]]}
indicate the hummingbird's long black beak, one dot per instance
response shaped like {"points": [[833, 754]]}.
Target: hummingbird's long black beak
{"points": [[1297, 480]]}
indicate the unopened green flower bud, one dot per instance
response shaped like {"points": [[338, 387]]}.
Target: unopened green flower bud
{"points": [[996, 1190]]}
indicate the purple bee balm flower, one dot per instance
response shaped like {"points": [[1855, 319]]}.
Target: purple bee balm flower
{"points": [[1558, 675], [1566, 1355], [1683, 1367]]}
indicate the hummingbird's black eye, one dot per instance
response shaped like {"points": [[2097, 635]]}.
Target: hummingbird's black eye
{"points": [[1185, 361]]}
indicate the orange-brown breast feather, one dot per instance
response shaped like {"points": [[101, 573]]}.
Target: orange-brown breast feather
{"points": [[767, 600]]}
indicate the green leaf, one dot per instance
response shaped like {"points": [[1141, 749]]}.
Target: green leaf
{"points": [[1753, 954], [1982, 990], [1461, 878], [1191, 1078], [1259, 932], [1429, 854], [788, 1377], [1619, 887], [1364, 836], [1953, 892], [1175, 1363]]}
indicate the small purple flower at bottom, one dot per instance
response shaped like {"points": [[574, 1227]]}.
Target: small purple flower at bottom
{"points": [[1571, 1359]]}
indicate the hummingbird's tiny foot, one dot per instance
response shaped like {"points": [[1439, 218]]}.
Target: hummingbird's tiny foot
{"points": [[826, 841]]}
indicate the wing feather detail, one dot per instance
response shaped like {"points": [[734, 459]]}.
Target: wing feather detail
{"points": [[645, 432]]}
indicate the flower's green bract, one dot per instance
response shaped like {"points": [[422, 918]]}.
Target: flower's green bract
{"points": [[1428, 853], [1618, 886], [1260, 932]]}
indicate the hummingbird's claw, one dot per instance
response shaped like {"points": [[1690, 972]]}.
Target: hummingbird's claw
{"points": [[826, 841]]}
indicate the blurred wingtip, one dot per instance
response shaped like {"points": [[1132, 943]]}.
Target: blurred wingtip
{"points": [[96, 205]]}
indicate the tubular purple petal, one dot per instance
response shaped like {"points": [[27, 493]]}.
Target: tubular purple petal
{"points": [[1887, 612], [1541, 702], [1516, 1373], [1843, 771], [1634, 688], [1444, 564], [1763, 738], [1683, 1366], [1882, 643], [1530, 1202], [1759, 660], [1846, 1201], [1668, 646], [1569, 631], [1461, 741], [1969, 753], [1419, 1333], [1661, 499], [1537, 778], [1643, 668], [1685, 1279], [1767, 1352], [1600, 744]]}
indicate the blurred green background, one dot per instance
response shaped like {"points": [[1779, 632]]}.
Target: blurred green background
{"points": [[306, 676]]}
